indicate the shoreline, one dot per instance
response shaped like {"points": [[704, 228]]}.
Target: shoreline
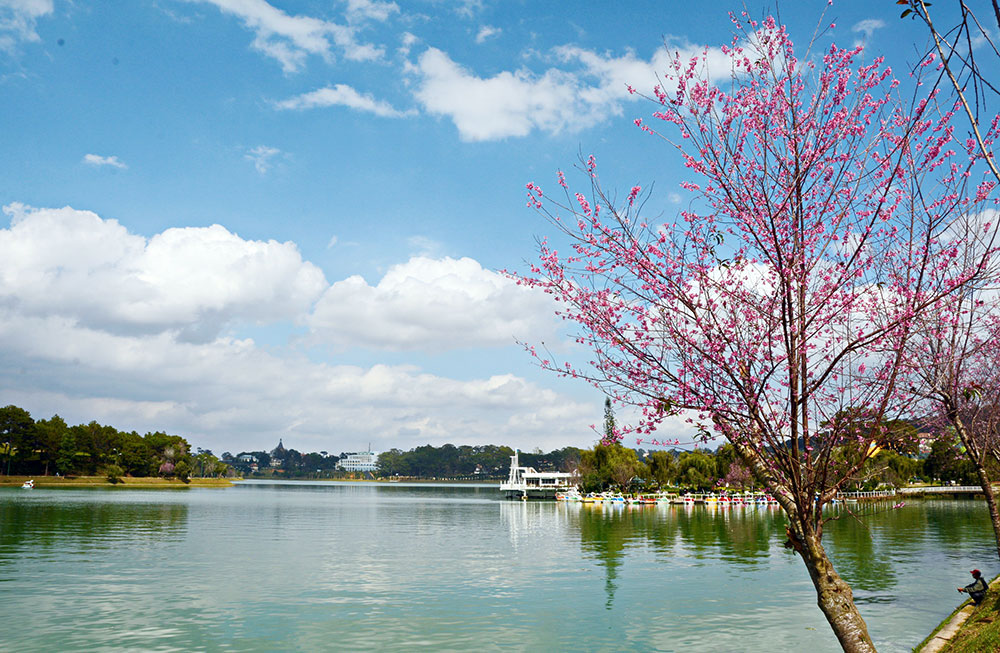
{"points": [[966, 624], [155, 482]]}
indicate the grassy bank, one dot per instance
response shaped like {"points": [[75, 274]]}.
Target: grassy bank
{"points": [[980, 632], [102, 481]]}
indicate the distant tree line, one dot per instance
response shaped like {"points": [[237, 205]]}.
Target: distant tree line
{"points": [[467, 461], [285, 463], [50, 446], [613, 466], [602, 467]]}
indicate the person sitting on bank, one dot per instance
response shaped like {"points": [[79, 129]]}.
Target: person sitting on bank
{"points": [[977, 588]]}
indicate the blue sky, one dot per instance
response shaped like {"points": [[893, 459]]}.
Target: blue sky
{"points": [[239, 220]]}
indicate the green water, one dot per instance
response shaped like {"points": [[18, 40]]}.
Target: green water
{"points": [[308, 567]]}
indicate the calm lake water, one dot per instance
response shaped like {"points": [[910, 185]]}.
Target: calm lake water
{"points": [[328, 566]]}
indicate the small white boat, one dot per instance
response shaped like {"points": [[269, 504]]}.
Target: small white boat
{"points": [[29, 484], [571, 494]]}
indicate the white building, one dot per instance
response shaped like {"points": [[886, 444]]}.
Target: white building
{"points": [[362, 461], [526, 483]]}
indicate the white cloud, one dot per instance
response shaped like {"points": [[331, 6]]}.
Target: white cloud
{"points": [[98, 160], [868, 27], [468, 8], [291, 39], [423, 246], [75, 266], [99, 323], [332, 242], [261, 157], [487, 32], [590, 88], [407, 41], [370, 10], [508, 104], [17, 21], [342, 95], [431, 304], [228, 394]]}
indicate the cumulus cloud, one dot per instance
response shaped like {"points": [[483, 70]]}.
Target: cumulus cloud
{"points": [[589, 88], [229, 394], [291, 39], [100, 323], [341, 95], [76, 266], [261, 157], [508, 104], [431, 304], [98, 161], [486, 32], [17, 21]]}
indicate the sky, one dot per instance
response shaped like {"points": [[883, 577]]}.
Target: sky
{"points": [[245, 220]]}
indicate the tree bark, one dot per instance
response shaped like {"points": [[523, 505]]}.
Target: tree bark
{"points": [[975, 455], [991, 502], [833, 594]]}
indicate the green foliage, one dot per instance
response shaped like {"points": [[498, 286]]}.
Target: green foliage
{"points": [[662, 468], [891, 468], [610, 465], [66, 458], [725, 457], [449, 461], [946, 463], [17, 433], [114, 473], [182, 470], [85, 449], [50, 433], [609, 421], [204, 464], [696, 469]]}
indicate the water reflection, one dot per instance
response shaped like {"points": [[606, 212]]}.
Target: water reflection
{"points": [[74, 524], [742, 536], [396, 568]]}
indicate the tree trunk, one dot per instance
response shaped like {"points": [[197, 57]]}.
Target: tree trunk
{"points": [[975, 455], [991, 502], [834, 595]]}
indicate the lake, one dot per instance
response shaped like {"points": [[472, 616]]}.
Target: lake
{"points": [[300, 566]]}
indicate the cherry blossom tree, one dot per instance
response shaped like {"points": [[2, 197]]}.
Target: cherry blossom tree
{"points": [[956, 366], [783, 297], [956, 48], [957, 356]]}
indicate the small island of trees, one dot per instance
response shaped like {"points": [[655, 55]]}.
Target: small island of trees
{"points": [[50, 446]]}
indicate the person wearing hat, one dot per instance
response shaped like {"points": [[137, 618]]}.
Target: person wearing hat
{"points": [[977, 588]]}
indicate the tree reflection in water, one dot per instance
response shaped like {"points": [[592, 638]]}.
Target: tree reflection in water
{"points": [[743, 536], [86, 525]]}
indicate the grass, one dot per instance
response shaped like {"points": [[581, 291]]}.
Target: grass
{"points": [[980, 632], [102, 481]]}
